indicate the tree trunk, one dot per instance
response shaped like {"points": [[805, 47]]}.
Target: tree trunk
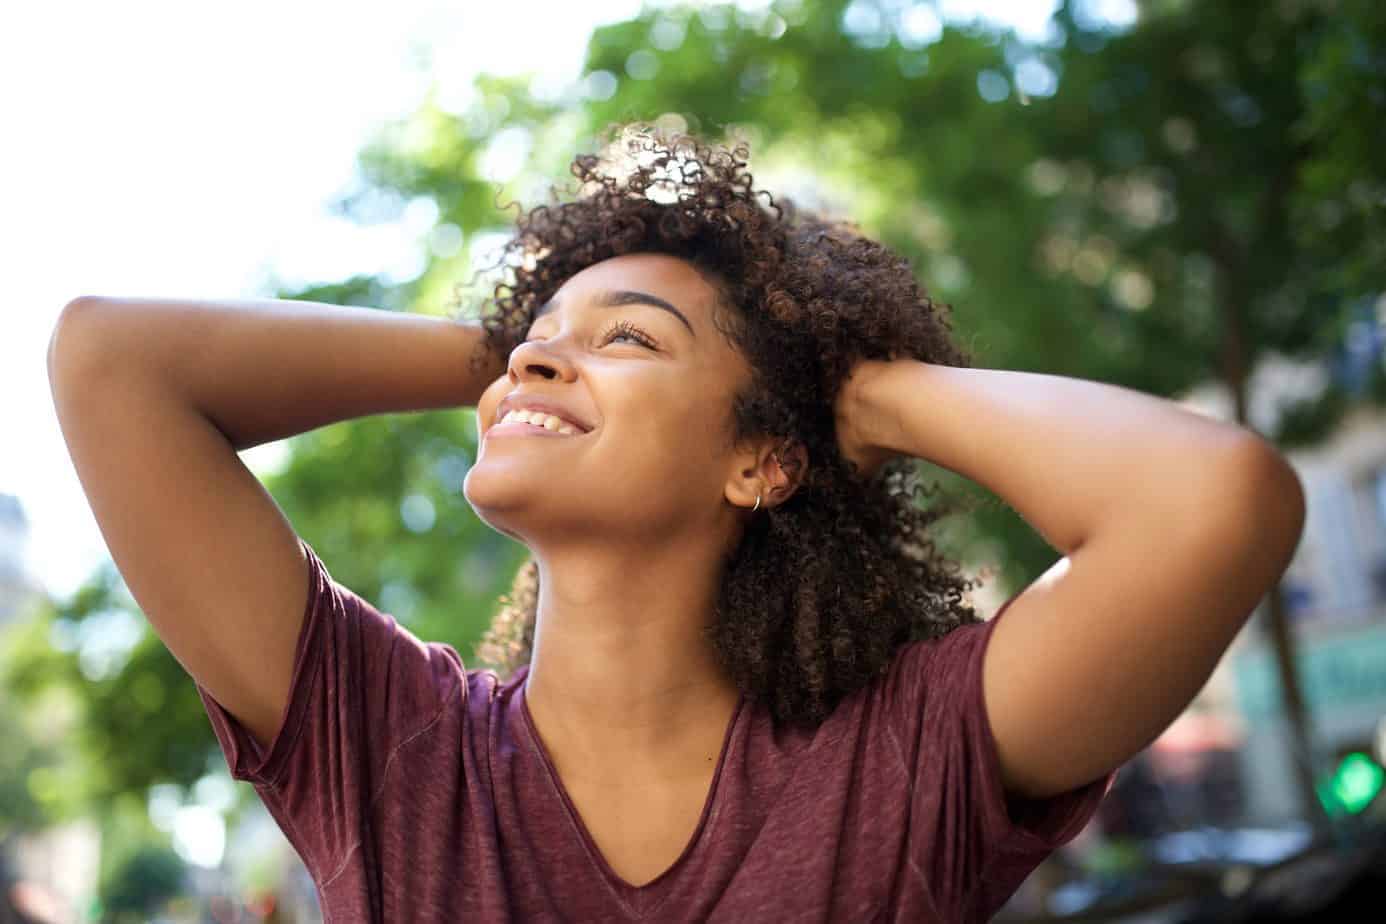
{"points": [[1276, 629], [1233, 303]]}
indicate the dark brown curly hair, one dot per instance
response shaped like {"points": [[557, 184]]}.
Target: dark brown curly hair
{"points": [[823, 589]]}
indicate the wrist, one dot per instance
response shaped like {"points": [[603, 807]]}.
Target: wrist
{"points": [[876, 402], [480, 364]]}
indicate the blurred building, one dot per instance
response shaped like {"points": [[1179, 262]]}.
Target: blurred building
{"points": [[1336, 599], [1335, 596]]}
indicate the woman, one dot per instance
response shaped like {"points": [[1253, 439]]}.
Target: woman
{"points": [[737, 682]]}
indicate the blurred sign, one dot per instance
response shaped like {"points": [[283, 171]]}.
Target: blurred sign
{"points": [[1347, 669]]}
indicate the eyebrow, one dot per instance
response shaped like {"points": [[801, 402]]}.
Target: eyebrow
{"points": [[614, 298]]}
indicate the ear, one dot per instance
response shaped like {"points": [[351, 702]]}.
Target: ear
{"points": [[773, 468]]}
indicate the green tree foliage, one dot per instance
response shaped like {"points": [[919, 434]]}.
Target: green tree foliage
{"points": [[143, 881], [1339, 205], [25, 766]]}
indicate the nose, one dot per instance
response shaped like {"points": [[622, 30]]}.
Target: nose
{"points": [[535, 359]]}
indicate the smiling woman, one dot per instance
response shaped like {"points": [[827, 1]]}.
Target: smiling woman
{"points": [[735, 680], [763, 310]]}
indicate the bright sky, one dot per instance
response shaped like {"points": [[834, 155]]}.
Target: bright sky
{"points": [[162, 148]]}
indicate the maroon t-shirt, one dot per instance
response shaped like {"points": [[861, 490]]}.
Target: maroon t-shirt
{"points": [[416, 790]]}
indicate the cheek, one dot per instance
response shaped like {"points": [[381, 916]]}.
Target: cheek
{"points": [[692, 438]]}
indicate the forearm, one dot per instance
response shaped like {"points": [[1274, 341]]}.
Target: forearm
{"points": [[264, 369], [1070, 455]]}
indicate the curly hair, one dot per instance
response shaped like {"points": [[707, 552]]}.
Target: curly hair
{"points": [[821, 590]]}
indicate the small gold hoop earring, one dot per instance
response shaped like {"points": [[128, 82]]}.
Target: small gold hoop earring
{"points": [[757, 506]]}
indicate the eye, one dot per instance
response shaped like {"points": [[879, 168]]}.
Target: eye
{"points": [[618, 330], [626, 329]]}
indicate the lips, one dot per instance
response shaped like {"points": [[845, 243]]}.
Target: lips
{"points": [[523, 402], [521, 428]]}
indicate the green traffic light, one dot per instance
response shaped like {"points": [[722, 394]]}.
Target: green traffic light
{"points": [[1354, 785]]}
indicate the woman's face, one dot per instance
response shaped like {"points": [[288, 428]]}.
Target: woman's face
{"points": [[651, 388]]}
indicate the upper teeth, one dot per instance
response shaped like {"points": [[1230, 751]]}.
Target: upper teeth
{"points": [[540, 419]]}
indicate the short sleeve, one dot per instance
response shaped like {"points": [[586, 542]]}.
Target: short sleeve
{"points": [[973, 843], [361, 685]]}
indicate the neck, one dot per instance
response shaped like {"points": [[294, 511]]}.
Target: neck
{"points": [[622, 669]]}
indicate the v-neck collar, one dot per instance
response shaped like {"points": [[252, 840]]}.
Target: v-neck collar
{"points": [[641, 900]]}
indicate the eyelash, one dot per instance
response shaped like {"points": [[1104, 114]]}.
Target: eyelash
{"points": [[630, 330]]}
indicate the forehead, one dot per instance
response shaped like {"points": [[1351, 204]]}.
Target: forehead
{"points": [[670, 278]]}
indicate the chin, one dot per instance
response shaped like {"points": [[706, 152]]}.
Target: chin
{"points": [[498, 498], [488, 492]]}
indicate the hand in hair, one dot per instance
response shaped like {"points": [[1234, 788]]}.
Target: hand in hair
{"points": [[858, 421]]}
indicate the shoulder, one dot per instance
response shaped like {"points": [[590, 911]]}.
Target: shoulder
{"points": [[936, 669]]}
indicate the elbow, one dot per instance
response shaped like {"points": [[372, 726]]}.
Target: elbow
{"points": [[69, 338], [77, 309], [1260, 493]]}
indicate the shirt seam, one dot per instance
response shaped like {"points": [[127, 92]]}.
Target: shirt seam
{"points": [[380, 788], [909, 777], [988, 743], [276, 781]]}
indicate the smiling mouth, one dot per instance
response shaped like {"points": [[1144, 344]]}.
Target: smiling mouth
{"points": [[543, 420], [521, 428]]}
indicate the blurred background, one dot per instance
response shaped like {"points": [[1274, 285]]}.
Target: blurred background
{"points": [[1174, 196]]}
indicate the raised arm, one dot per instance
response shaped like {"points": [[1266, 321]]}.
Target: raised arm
{"points": [[155, 397], [1172, 527]]}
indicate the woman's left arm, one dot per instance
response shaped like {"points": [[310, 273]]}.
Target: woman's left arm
{"points": [[1173, 527]]}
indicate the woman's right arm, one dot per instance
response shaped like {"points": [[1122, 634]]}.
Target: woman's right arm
{"points": [[155, 397]]}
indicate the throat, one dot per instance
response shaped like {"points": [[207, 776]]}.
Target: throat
{"points": [[602, 753]]}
